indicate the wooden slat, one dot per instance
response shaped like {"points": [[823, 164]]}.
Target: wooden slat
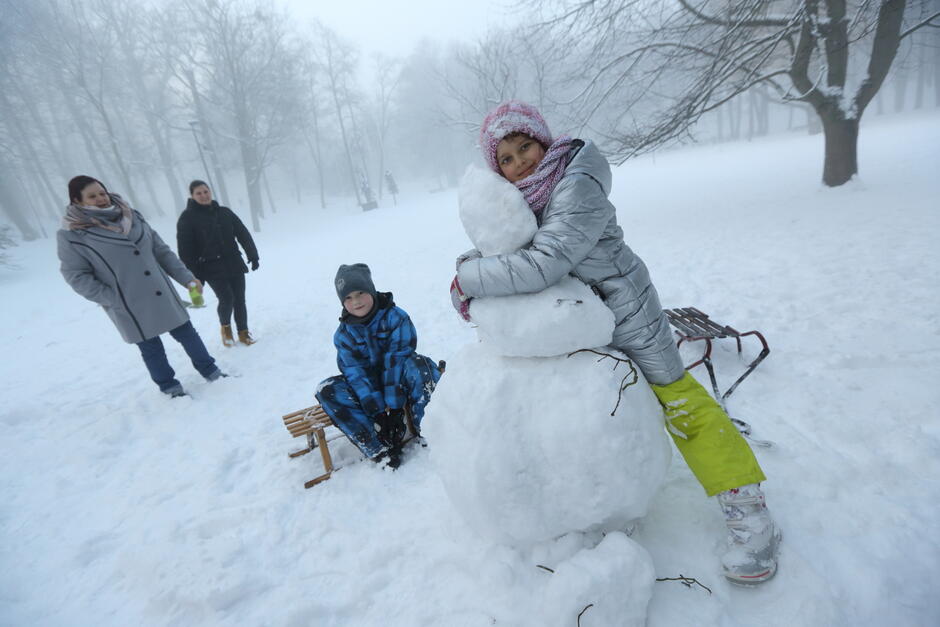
{"points": [[307, 420]]}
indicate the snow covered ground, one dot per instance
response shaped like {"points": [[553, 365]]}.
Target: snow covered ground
{"points": [[120, 506]]}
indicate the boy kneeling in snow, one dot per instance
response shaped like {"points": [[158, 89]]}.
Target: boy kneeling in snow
{"points": [[381, 372]]}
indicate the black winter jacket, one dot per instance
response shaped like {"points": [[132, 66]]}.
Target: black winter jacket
{"points": [[205, 239]]}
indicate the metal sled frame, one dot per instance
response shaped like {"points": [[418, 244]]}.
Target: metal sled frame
{"points": [[311, 422], [692, 325]]}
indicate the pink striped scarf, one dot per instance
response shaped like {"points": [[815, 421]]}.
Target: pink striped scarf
{"points": [[537, 188]]}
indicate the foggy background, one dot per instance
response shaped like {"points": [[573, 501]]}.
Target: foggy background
{"points": [[299, 103]]}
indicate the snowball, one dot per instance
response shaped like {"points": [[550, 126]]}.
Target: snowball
{"points": [[494, 213], [558, 320], [527, 448], [616, 578]]}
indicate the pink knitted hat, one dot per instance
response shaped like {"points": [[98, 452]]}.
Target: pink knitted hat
{"points": [[511, 117]]}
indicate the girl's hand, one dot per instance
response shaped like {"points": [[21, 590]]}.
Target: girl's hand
{"points": [[473, 253], [195, 284], [459, 300]]}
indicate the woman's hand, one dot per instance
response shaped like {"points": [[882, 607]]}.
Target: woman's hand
{"points": [[195, 283]]}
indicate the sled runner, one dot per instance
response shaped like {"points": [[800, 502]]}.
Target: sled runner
{"points": [[312, 422], [692, 325]]}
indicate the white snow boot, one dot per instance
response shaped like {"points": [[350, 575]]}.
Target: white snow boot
{"points": [[753, 538]]}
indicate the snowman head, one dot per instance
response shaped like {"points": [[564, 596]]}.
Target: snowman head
{"points": [[515, 122]]}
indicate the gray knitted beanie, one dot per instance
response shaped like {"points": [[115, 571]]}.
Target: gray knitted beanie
{"points": [[354, 278]]}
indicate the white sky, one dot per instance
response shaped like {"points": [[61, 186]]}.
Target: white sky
{"points": [[393, 27]]}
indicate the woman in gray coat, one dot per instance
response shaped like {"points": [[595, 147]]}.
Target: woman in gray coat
{"points": [[566, 182], [111, 256]]}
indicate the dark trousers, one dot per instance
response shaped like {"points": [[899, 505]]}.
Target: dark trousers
{"points": [[340, 402], [231, 294], [155, 356]]}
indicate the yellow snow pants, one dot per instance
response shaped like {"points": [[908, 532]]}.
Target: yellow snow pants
{"points": [[717, 453]]}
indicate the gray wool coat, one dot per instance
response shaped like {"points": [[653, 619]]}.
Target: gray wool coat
{"points": [[129, 276], [578, 235]]}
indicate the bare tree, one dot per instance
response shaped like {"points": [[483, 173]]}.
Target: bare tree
{"points": [[79, 48], [697, 55], [387, 78], [338, 60], [135, 40], [310, 115], [246, 57]]}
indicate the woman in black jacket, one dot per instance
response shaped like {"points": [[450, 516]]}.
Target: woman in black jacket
{"points": [[205, 236]]}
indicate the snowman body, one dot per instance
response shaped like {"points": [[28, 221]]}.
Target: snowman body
{"points": [[533, 436]]}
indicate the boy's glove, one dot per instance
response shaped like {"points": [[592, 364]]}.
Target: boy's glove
{"points": [[390, 427], [460, 301], [254, 265]]}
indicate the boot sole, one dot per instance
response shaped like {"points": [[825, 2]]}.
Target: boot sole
{"points": [[750, 581]]}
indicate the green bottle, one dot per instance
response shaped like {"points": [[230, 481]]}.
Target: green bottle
{"points": [[196, 297]]}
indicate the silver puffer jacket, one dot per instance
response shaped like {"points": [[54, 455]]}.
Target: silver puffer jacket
{"points": [[578, 235]]}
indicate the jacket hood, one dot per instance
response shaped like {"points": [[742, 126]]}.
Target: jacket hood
{"points": [[589, 160]]}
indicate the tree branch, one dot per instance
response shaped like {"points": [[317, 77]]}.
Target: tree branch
{"points": [[884, 49], [921, 24], [771, 22]]}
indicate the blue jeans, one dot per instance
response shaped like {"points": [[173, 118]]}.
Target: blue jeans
{"points": [[158, 366]]}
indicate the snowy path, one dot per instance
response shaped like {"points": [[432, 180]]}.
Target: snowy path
{"points": [[123, 507]]}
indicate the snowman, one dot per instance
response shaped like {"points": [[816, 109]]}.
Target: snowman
{"points": [[540, 430]]}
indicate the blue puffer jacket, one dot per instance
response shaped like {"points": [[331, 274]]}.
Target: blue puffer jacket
{"points": [[373, 356]]}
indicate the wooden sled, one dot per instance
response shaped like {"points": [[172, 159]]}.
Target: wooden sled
{"points": [[311, 423]]}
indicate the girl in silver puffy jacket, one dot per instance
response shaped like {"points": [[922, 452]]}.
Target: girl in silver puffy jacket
{"points": [[566, 183]]}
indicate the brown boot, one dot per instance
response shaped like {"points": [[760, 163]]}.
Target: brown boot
{"points": [[227, 339], [244, 336]]}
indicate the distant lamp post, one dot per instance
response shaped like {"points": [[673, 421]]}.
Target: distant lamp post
{"points": [[192, 125]]}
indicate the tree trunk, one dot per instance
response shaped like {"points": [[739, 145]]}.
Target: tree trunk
{"points": [[119, 161], [91, 148], [921, 84], [267, 191], [146, 103], [316, 131], [252, 182], [936, 67], [900, 90], [13, 205], [251, 159], [315, 153], [841, 162], [221, 192]]}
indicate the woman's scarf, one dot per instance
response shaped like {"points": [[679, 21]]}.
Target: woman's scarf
{"points": [[118, 218], [537, 188]]}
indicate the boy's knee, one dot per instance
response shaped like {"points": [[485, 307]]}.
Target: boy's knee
{"points": [[326, 389]]}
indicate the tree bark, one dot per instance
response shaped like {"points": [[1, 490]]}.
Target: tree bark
{"points": [[841, 161]]}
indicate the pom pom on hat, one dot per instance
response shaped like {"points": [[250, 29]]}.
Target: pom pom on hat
{"points": [[510, 117]]}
